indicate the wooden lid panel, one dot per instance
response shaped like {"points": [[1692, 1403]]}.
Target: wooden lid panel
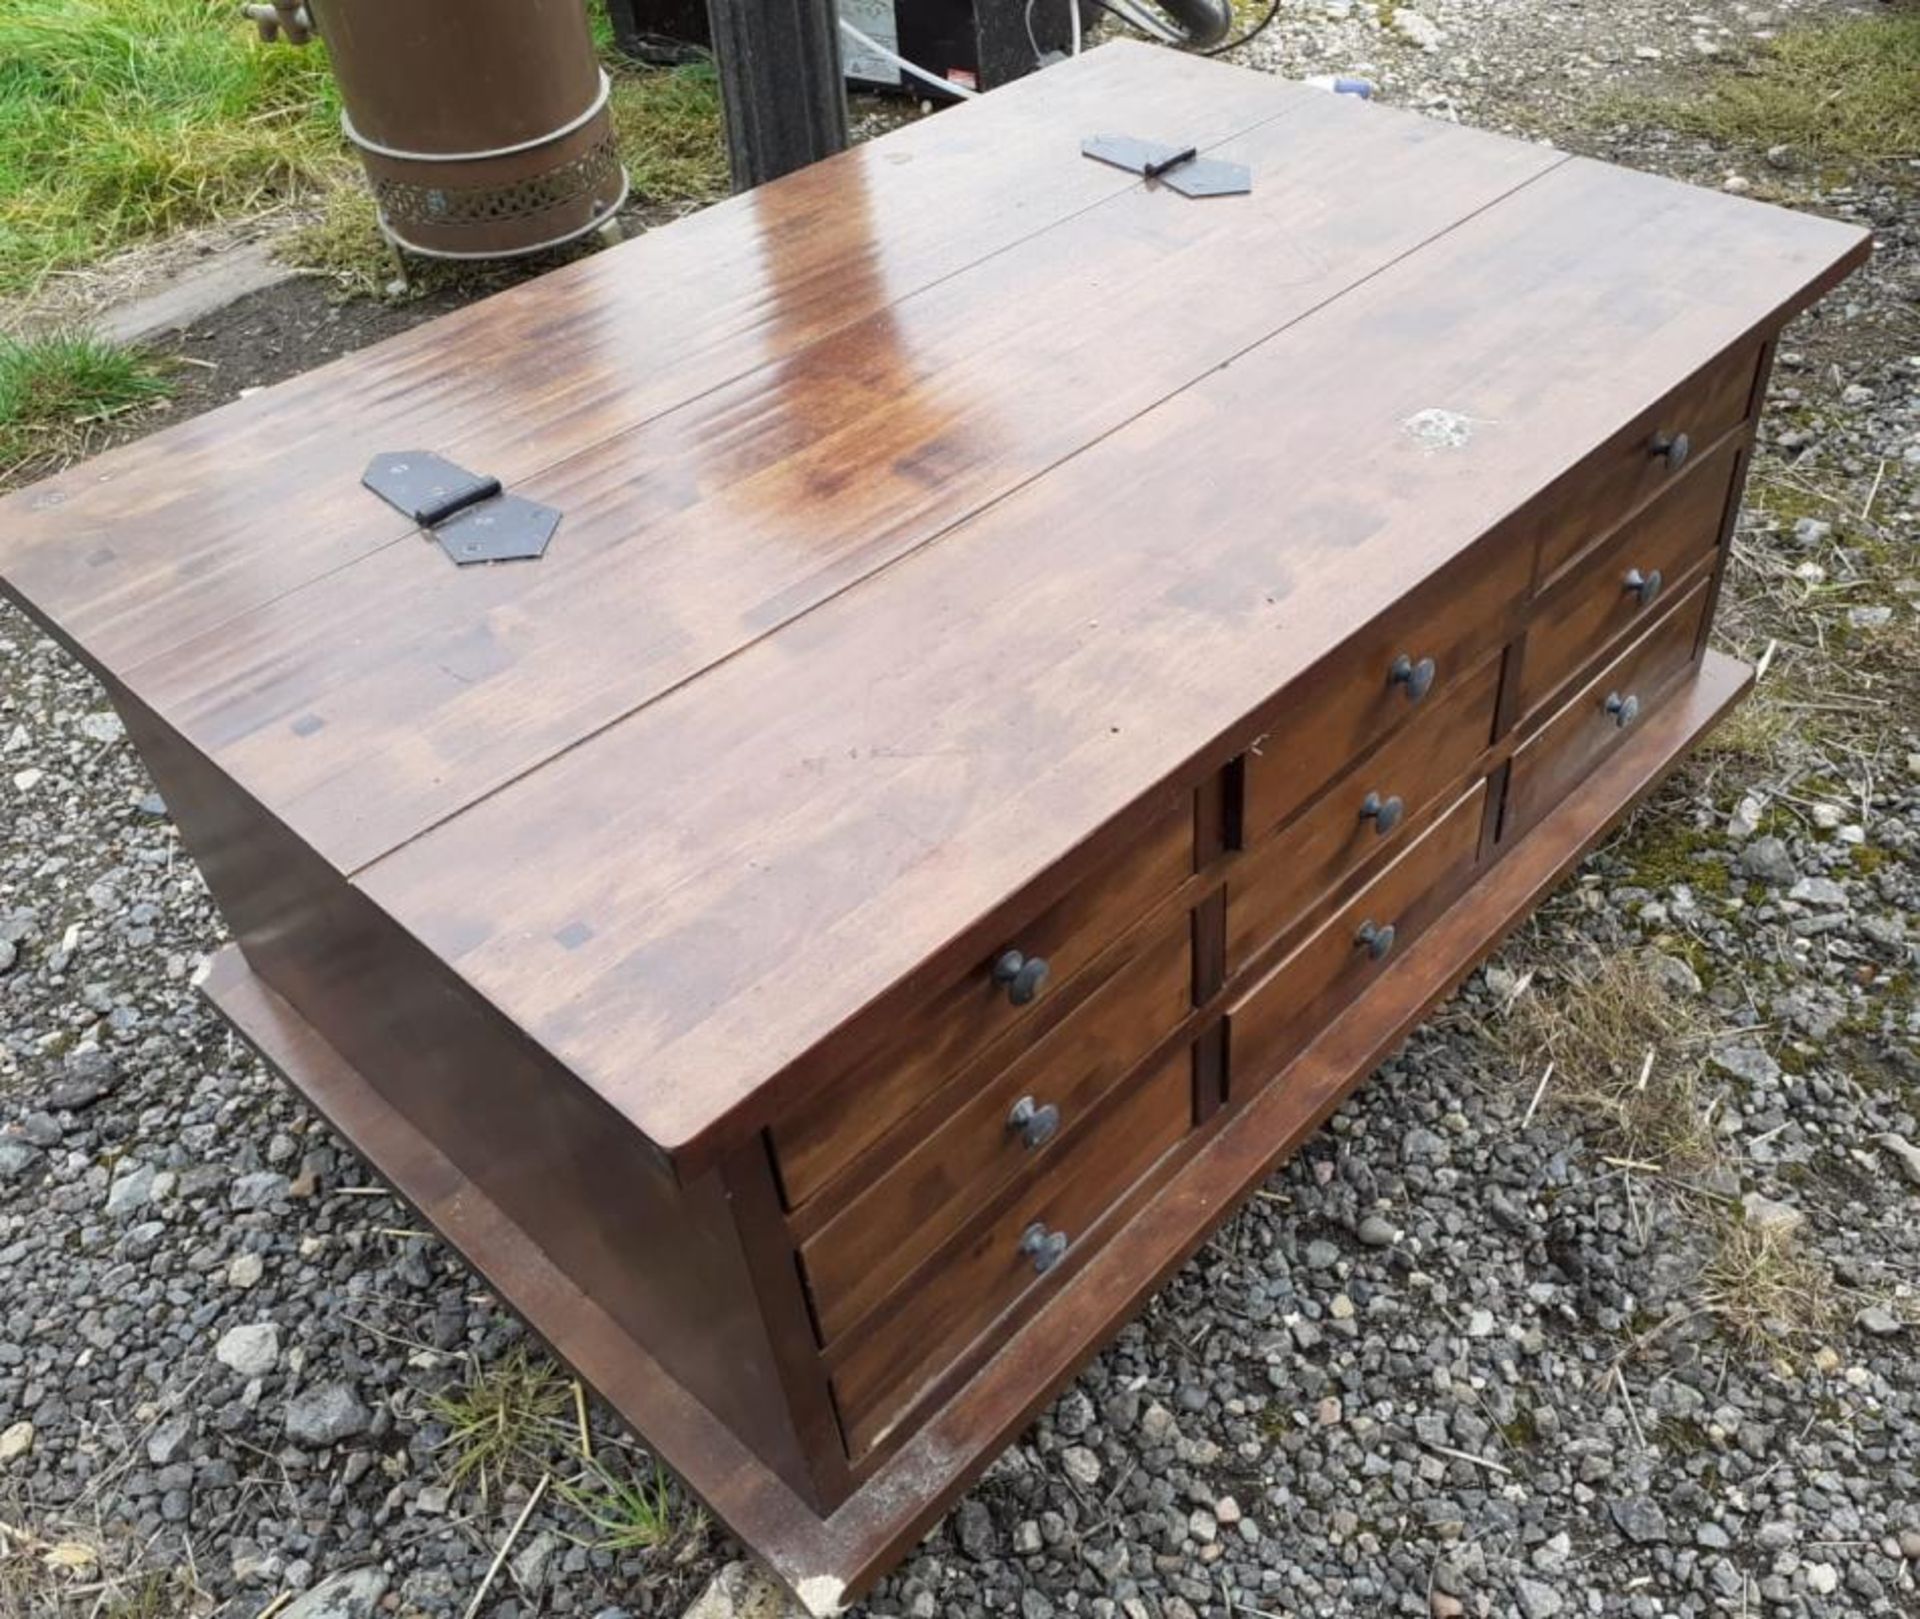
{"points": [[861, 789], [386, 696], [134, 552]]}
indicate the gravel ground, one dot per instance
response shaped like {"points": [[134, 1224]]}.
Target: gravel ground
{"points": [[1468, 1354]]}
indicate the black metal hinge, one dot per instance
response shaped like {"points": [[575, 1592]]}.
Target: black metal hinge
{"points": [[1180, 167], [466, 512]]}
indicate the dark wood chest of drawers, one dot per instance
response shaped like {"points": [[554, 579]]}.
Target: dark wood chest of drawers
{"points": [[1039, 683]]}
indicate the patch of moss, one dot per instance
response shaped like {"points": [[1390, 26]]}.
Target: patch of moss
{"points": [[1868, 858], [1667, 853], [1695, 954], [156, 1594], [1678, 1436], [1884, 1001], [1753, 732], [1522, 1432]]}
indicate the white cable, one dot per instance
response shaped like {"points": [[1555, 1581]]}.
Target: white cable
{"points": [[904, 65], [1073, 8]]}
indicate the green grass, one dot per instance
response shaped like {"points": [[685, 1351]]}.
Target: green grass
{"points": [[504, 1422], [1845, 90], [521, 1419], [124, 120], [53, 387], [1766, 1288], [668, 124], [628, 1513], [342, 244], [121, 120]]}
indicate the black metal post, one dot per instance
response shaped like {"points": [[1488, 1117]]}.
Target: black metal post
{"points": [[781, 82], [627, 32]]}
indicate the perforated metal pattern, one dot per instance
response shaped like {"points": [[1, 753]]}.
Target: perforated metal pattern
{"points": [[593, 174]]}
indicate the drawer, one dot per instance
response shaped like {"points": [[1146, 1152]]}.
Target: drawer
{"points": [[1582, 733], [1638, 463], [980, 1144], [991, 1270], [1269, 1025], [1622, 583], [976, 1014], [1377, 805], [1439, 633]]}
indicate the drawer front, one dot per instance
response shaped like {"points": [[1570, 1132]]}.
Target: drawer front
{"points": [[1642, 461], [1274, 1020], [1014, 1127], [990, 1271], [976, 1014], [1351, 699], [1379, 805], [1623, 583], [1601, 714]]}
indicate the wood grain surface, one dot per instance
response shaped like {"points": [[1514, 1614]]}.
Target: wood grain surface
{"points": [[149, 544], [884, 770], [385, 696], [926, 512]]}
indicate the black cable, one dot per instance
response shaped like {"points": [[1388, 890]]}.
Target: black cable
{"points": [[1252, 33]]}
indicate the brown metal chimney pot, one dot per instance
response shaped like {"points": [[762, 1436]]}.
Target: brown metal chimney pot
{"points": [[483, 126]]}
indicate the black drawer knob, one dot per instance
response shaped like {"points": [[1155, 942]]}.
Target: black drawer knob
{"points": [[1375, 940], [1045, 1248], [1020, 975], [1385, 813], [1036, 1122], [1672, 448], [1625, 710], [1416, 677], [1643, 585]]}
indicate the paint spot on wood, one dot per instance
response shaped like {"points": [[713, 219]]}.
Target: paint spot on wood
{"points": [[1435, 429]]}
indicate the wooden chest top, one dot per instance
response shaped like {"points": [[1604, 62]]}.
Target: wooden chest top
{"points": [[922, 512]]}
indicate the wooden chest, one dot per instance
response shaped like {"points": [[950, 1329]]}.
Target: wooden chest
{"points": [[1039, 683]]}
